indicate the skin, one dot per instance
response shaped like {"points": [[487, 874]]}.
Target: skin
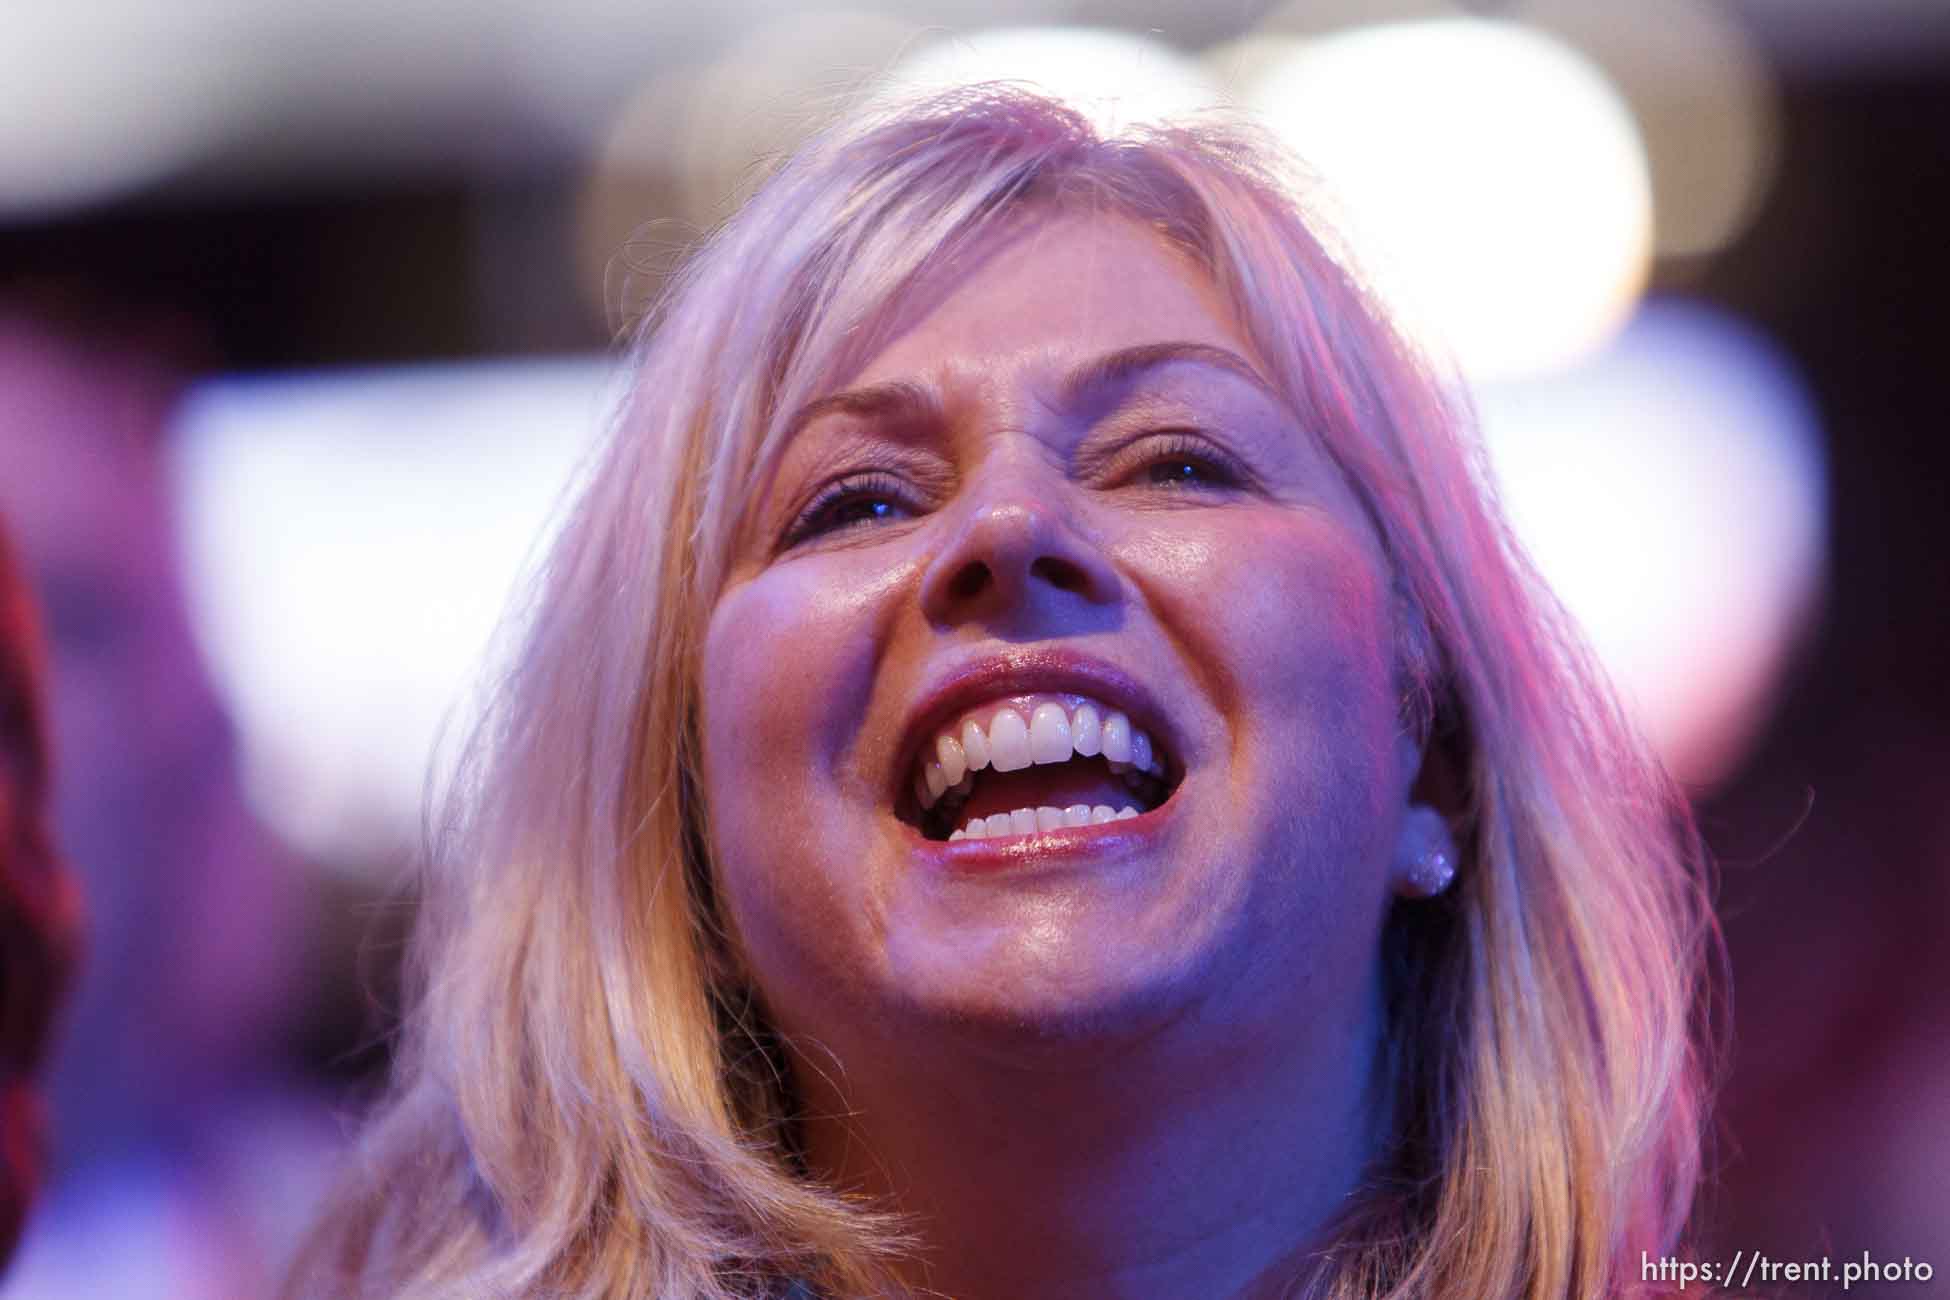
{"points": [[1148, 1072]]}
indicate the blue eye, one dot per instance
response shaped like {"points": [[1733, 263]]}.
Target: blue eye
{"points": [[1183, 469], [1190, 462], [849, 503], [856, 510]]}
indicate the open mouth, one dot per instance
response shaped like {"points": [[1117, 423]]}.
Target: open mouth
{"points": [[1034, 763]]}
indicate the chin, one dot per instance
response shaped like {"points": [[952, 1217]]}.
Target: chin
{"points": [[1055, 967]]}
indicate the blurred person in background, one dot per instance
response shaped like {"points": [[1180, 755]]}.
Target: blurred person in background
{"points": [[40, 909], [1363, 958], [179, 1148]]}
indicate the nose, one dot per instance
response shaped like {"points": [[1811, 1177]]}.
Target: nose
{"points": [[1016, 557]]}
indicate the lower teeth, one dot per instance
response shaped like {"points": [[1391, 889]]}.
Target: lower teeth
{"points": [[1031, 821]]}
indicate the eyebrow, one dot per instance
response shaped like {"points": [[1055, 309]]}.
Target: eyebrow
{"points": [[897, 399], [1126, 366], [906, 401]]}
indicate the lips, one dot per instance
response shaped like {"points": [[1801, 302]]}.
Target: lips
{"points": [[1031, 741]]}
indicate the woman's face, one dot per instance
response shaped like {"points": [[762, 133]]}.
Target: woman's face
{"points": [[1064, 488]]}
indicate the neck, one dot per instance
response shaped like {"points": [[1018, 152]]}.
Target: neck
{"points": [[1180, 1165]]}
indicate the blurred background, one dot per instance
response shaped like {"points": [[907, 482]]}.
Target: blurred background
{"points": [[304, 323]]}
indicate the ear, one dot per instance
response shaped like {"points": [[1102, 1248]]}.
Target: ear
{"points": [[1426, 856], [1433, 784]]}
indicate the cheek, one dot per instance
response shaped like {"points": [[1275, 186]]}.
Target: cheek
{"points": [[1294, 617], [1294, 610], [789, 659]]}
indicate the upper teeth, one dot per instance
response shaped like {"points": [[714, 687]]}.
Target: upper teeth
{"points": [[1030, 729]]}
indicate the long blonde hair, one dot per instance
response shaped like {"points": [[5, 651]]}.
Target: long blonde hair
{"points": [[586, 1103]]}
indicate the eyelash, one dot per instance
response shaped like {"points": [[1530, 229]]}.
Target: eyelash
{"points": [[1223, 473], [819, 517], [814, 521]]}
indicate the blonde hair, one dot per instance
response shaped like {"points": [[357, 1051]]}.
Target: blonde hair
{"points": [[585, 1101]]}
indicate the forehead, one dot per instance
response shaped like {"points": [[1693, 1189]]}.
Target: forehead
{"points": [[1050, 289]]}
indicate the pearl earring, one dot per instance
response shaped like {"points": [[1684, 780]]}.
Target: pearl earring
{"points": [[1431, 873], [1432, 868]]}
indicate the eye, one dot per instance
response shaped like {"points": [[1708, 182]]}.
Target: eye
{"points": [[1189, 470], [1181, 461], [856, 501]]}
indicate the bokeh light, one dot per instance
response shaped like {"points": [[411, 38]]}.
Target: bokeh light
{"points": [[1672, 492], [351, 542], [1704, 99], [91, 109], [1116, 78], [694, 138], [1488, 177]]}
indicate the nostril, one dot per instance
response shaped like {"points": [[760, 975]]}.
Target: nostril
{"points": [[969, 581], [1060, 574]]}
